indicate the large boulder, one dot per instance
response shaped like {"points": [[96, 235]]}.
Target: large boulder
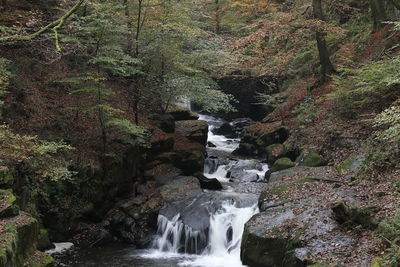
{"points": [[246, 149], [8, 206], [194, 130], [18, 239], [166, 122], [241, 171], [280, 164], [182, 114], [134, 220], [189, 157], [263, 135], [298, 226], [326, 173], [274, 152], [226, 130], [162, 173], [311, 159], [208, 183]]}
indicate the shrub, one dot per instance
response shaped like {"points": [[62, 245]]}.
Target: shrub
{"points": [[373, 87], [383, 149], [389, 231]]}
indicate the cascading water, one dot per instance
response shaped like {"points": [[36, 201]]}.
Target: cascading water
{"points": [[220, 244], [216, 218]]}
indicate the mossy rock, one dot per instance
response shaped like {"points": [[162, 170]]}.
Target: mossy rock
{"points": [[246, 149], [6, 178], [18, 240], [312, 159], [279, 165], [258, 250], [8, 206], [39, 259], [349, 216], [8, 246], [44, 242], [274, 152], [352, 166]]}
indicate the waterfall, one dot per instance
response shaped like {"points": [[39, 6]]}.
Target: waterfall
{"points": [[219, 244], [176, 237]]}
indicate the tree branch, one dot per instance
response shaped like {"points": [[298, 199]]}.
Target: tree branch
{"points": [[53, 26]]}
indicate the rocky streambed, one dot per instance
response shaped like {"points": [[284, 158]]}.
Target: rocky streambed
{"points": [[234, 210]]}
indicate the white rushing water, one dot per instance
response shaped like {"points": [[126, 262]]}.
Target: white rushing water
{"points": [[219, 247]]}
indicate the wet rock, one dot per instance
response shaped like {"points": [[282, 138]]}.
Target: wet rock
{"points": [[250, 187], [210, 144], [243, 176], [44, 242], [181, 187], [241, 169], [246, 149], [226, 130], [208, 183], [181, 114], [195, 211], [240, 123], [194, 130], [102, 237]]}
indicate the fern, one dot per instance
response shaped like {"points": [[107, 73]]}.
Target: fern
{"points": [[373, 86]]}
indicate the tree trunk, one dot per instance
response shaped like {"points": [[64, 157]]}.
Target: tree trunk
{"points": [[326, 64], [378, 14], [129, 24], [217, 18]]}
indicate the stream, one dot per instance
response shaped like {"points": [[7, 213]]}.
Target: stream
{"points": [[177, 244]]}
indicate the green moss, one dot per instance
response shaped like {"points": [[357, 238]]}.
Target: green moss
{"points": [[307, 180], [343, 167], [282, 164], [6, 178], [295, 241], [377, 262], [311, 160], [274, 152], [278, 190], [39, 259], [318, 264], [8, 245]]}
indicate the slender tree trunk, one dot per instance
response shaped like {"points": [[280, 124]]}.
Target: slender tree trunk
{"points": [[129, 23], [378, 14], [133, 50], [138, 27], [326, 64], [217, 18]]}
